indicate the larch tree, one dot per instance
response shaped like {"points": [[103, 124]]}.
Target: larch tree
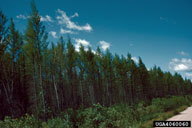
{"points": [[37, 39]]}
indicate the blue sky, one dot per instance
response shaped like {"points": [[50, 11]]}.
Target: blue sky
{"points": [[159, 31]]}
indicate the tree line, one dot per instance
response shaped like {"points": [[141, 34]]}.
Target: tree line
{"points": [[43, 78]]}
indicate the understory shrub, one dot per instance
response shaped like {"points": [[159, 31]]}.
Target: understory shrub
{"points": [[98, 116]]}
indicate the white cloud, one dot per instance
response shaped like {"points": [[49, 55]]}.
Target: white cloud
{"points": [[74, 15], [183, 65], [94, 51], [135, 59], [47, 18], [63, 31], [183, 53], [104, 45], [53, 34], [175, 60], [80, 42], [20, 16], [180, 67], [64, 19]]}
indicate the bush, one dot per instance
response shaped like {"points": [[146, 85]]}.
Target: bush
{"points": [[170, 103], [98, 116], [57, 123], [91, 117], [26, 121]]}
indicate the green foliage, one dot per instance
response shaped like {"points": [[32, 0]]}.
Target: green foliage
{"points": [[57, 123], [26, 121], [98, 116], [161, 105], [170, 104], [102, 117]]}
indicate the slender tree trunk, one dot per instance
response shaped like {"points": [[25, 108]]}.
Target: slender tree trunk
{"points": [[132, 98], [6, 92], [56, 92], [81, 89], [41, 85], [35, 87]]}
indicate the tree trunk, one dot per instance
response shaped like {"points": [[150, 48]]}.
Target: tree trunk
{"points": [[56, 92], [41, 85]]}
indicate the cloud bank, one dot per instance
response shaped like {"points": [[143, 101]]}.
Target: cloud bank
{"points": [[183, 66]]}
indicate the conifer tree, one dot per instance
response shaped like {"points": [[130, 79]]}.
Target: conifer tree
{"points": [[36, 37]]}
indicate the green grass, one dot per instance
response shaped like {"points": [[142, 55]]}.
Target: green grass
{"points": [[162, 116]]}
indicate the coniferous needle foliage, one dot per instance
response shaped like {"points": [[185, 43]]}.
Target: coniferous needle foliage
{"points": [[44, 79]]}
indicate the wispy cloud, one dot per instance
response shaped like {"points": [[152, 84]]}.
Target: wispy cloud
{"points": [[63, 19], [131, 45], [182, 65], [167, 20], [74, 15], [53, 34], [163, 19], [104, 45], [80, 42], [183, 53], [20, 16], [63, 31], [47, 18]]}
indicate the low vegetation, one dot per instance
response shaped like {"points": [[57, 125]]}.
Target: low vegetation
{"points": [[116, 116]]}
